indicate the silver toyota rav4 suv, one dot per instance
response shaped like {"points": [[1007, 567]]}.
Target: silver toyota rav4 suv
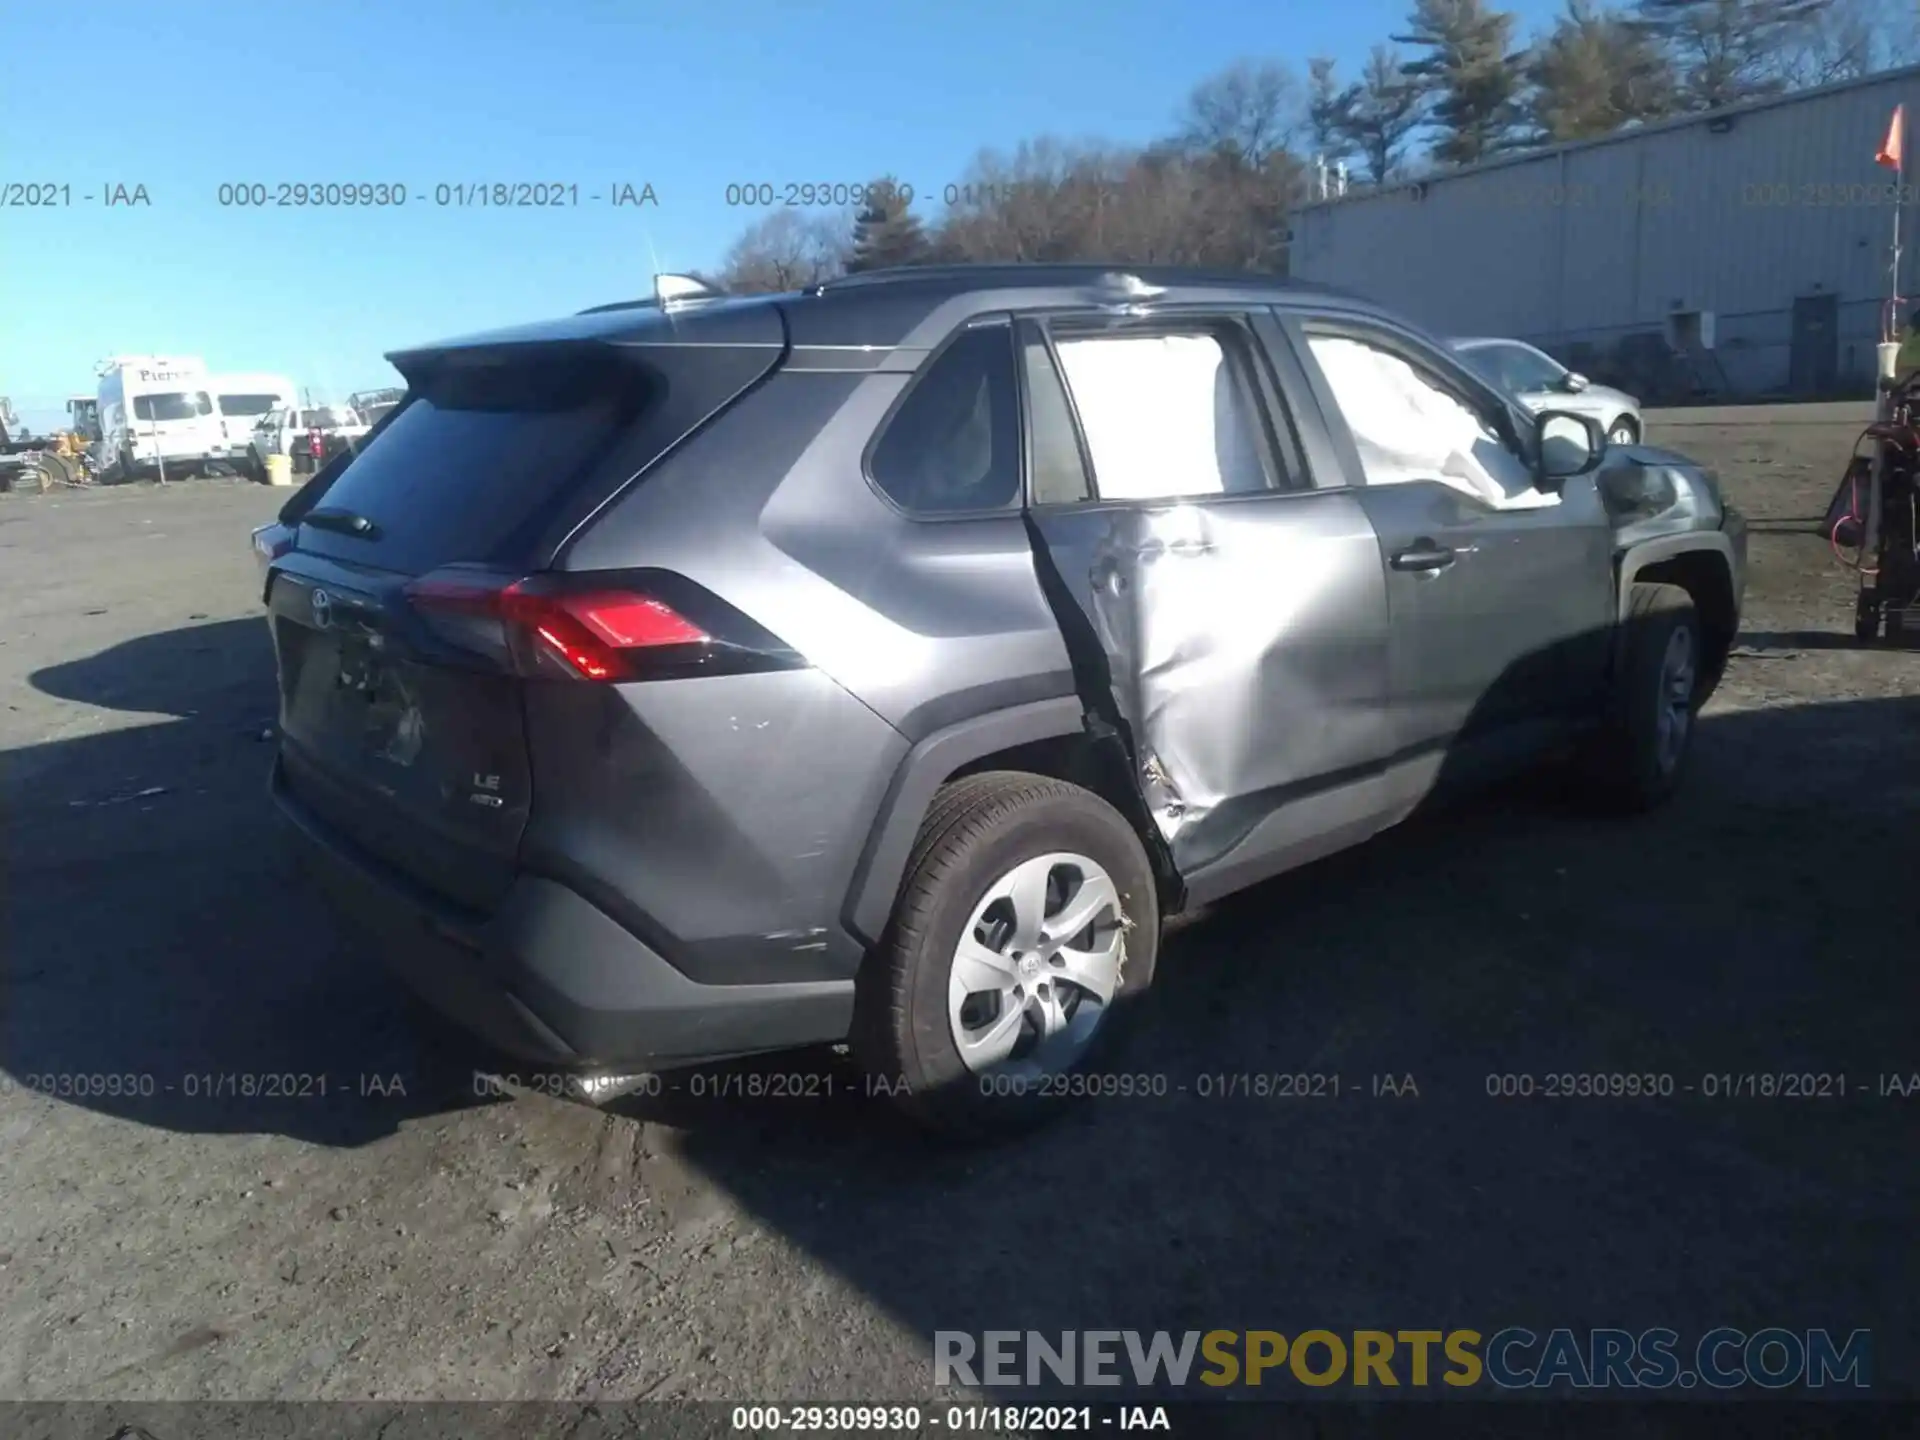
{"points": [[884, 663]]}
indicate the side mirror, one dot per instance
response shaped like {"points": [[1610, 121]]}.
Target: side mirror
{"points": [[1569, 445], [1573, 382]]}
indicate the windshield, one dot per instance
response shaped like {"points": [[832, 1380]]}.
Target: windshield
{"points": [[1514, 368], [172, 405], [246, 404]]}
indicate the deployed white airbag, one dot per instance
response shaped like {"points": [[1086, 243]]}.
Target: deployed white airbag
{"points": [[1406, 428], [1162, 416]]}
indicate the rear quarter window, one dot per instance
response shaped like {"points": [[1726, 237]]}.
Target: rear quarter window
{"points": [[952, 447]]}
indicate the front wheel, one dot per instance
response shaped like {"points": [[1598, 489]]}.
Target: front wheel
{"points": [[1027, 923], [1623, 433], [1638, 759]]}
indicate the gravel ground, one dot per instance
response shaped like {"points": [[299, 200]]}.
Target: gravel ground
{"points": [[399, 1236]]}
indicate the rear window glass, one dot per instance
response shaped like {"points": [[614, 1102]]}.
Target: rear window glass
{"points": [[326, 418], [171, 406], [246, 404], [477, 462]]}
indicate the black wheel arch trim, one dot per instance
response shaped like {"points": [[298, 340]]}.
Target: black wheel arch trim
{"points": [[1635, 560], [1647, 553], [883, 860]]}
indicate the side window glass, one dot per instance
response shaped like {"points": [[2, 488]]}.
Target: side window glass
{"points": [[1408, 424], [1059, 474], [1501, 368], [1166, 416], [953, 446]]}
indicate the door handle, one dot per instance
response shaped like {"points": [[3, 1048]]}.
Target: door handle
{"points": [[1424, 555]]}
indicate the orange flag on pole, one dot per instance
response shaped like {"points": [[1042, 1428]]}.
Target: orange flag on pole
{"points": [[1890, 148]]}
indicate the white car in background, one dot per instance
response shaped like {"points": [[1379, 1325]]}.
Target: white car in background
{"points": [[1540, 382], [241, 399], [288, 430]]}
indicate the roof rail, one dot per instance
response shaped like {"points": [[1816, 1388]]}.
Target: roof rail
{"points": [[1099, 274], [619, 305]]}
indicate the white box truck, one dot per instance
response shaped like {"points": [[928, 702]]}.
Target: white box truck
{"points": [[157, 416]]}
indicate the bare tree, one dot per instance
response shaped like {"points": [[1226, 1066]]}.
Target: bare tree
{"points": [[1043, 202], [1251, 109], [1167, 205], [788, 250], [1849, 38], [1727, 51]]}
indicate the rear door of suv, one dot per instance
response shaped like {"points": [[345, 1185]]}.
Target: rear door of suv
{"points": [[1231, 610]]}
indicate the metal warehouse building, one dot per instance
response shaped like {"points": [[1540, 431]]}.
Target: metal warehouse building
{"points": [[1743, 252]]}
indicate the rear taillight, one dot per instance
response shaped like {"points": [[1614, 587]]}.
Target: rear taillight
{"points": [[637, 626], [597, 634], [270, 542]]}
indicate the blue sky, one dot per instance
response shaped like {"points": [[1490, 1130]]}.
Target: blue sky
{"points": [[183, 97]]}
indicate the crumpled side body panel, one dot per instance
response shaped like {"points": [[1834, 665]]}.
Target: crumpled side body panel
{"points": [[1245, 643]]}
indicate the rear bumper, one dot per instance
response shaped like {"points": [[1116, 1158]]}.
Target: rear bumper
{"points": [[549, 978]]}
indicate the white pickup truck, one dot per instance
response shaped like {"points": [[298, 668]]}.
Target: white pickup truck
{"points": [[307, 434]]}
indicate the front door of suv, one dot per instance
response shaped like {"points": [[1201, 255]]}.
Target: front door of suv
{"points": [[1231, 617], [1501, 596]]}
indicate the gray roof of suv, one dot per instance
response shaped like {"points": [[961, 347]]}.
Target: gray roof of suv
{"points": [[885, 309]]}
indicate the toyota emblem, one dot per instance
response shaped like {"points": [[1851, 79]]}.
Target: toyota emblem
{"points": [[322, 609]]}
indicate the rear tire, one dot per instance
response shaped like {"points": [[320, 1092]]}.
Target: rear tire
{"points": [[1638, 760], [966, 955]]}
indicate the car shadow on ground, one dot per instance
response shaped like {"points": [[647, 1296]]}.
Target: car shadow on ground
{"points": [[1335, 1112], [166, 961], [1762, 641]]}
